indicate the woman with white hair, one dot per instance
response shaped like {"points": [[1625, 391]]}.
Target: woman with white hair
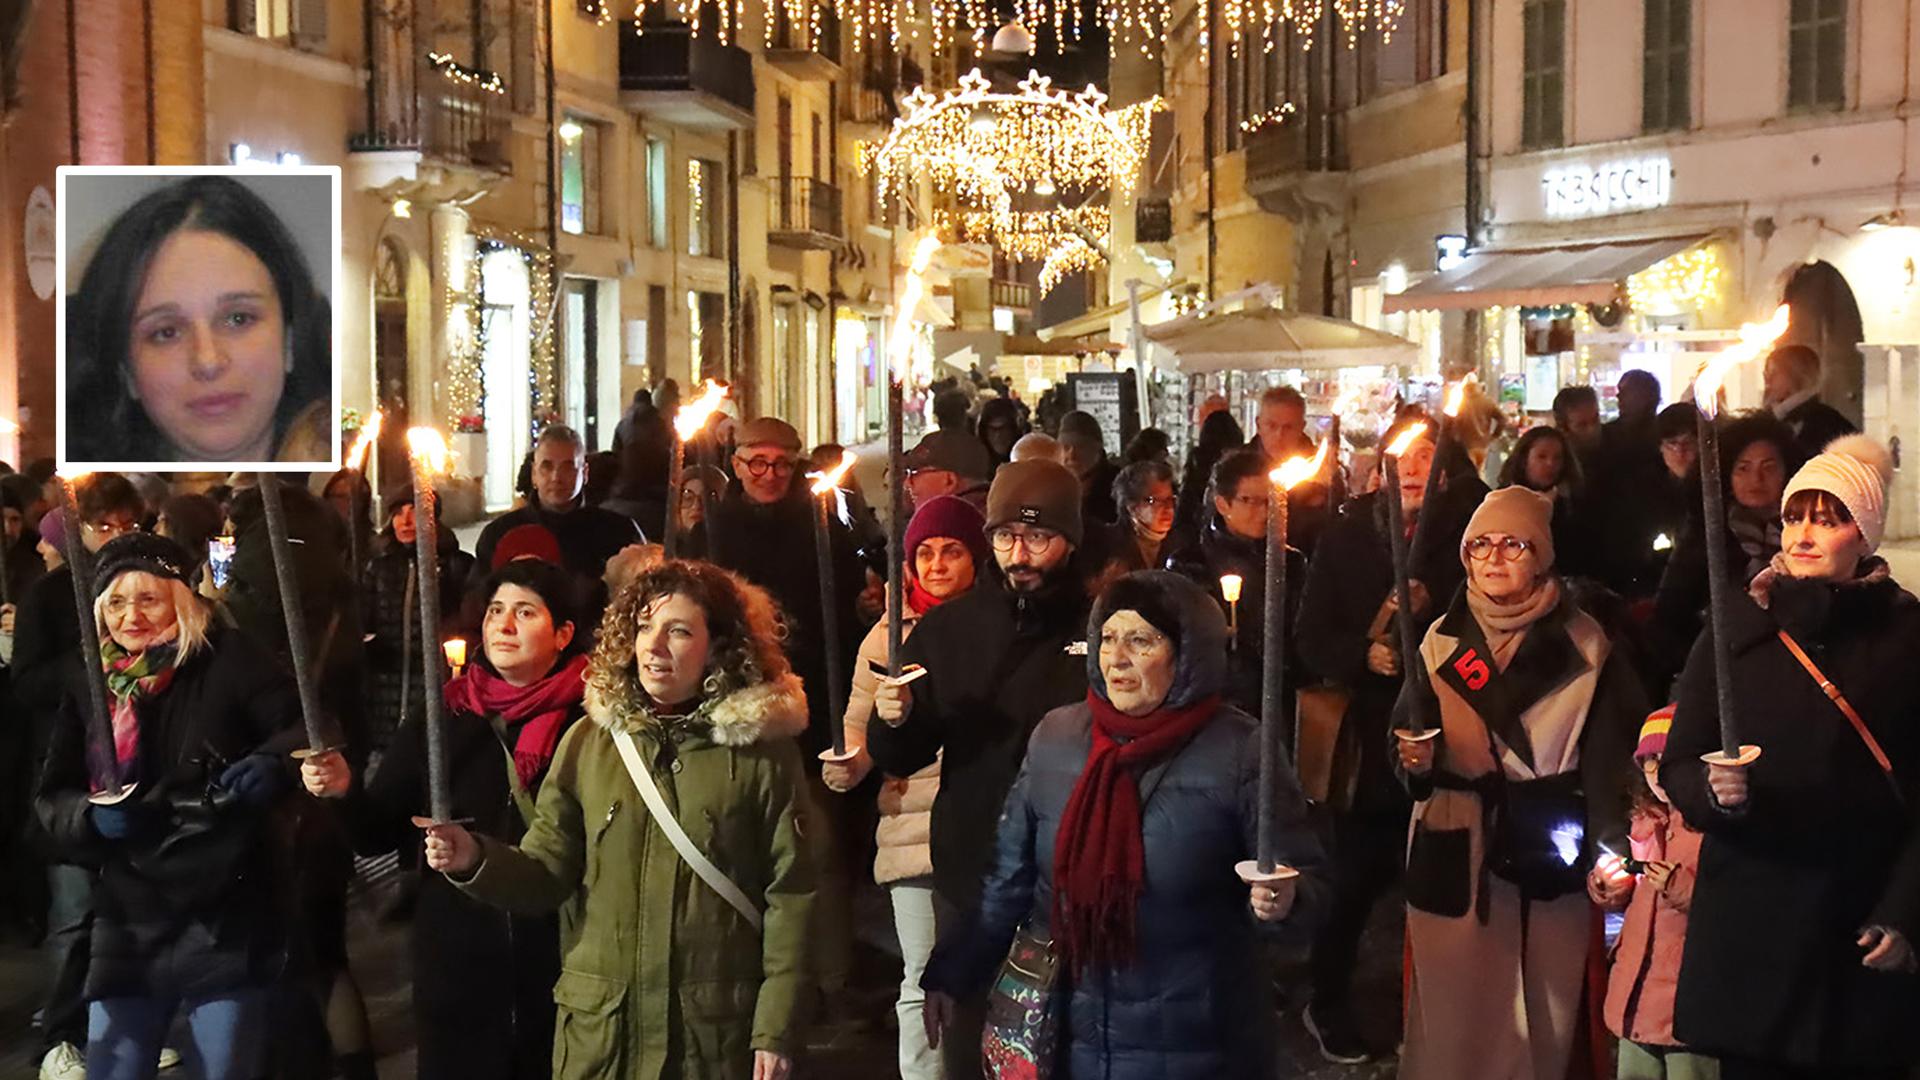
{"points": [[184, 919]]}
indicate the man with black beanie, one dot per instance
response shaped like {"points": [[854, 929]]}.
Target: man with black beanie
{"points": [[997, 660]]}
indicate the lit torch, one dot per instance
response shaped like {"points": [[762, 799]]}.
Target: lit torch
{"points": [[1266, 866], [897, 363], [428, 453], [1230, 592], [292, 611], [356, 463], [692, 417], [1445, 444], [456, 652], [1402, 573], [108, 787], [1755, 338], [826, 491]]}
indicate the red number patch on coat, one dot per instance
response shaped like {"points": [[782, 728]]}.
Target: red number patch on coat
{"points": [[1472, 669]]}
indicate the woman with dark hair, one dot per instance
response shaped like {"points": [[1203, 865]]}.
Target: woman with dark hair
{"points": [[198, 333], [1543, 461], [665, 970], [1145, 537], [1118, 844], [1757, 455], [1000, 426], [1220, 434], [192, 521], [482, 979]]}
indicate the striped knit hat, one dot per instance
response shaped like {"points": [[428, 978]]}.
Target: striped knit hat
{"points": [[1855, 469], [1653, 734]]}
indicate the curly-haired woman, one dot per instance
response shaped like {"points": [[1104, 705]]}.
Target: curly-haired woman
{"points": [[660, 973]]}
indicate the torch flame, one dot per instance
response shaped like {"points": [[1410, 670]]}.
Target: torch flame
{"points": [[1755, 338], [694, 415], [1230, 588], [1405, 439], [1457, 395], [363, 442], [909, 303], [456, 650], [73, 476], [830, 480], [428, 448], [1295, 469]]}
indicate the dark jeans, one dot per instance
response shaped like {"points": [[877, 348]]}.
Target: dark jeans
{"points": [[1368, 853], [68, 952]]}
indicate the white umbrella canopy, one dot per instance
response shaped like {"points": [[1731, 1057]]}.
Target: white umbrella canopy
{"points": [[1267, 339]]}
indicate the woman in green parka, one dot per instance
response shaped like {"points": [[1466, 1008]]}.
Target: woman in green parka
{"points": [[661, 977]]}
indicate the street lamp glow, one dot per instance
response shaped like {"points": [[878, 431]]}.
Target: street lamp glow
{"points": [[402, 208], [570, 130]]}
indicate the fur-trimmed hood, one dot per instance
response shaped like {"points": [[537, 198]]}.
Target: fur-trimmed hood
{"points": [[763, 711]]}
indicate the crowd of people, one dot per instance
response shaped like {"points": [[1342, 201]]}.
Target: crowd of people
{"points": [[636, 847]]}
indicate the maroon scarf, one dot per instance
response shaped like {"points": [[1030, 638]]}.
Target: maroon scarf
{"points": [[1099, 858], [543, 705], [919, 600]]}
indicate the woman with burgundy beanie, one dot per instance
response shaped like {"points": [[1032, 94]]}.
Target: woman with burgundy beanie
{"points": [[482, 979], [946, 547], [1118, 844]]}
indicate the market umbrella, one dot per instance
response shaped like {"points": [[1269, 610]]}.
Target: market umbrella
{"points": [[1260, 338]]}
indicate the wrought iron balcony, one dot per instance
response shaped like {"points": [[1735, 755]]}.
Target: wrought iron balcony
{"points": [[422, 109], [805, 214], [690, 80]]}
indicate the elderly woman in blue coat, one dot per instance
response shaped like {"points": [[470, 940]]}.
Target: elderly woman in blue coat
{"points": [[1118, 844]]}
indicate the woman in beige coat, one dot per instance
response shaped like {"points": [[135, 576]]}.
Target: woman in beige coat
{"points": [[947, 543], [1526, 779]]}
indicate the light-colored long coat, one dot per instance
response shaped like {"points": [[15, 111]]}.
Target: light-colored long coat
{"points": [[904, 846]]}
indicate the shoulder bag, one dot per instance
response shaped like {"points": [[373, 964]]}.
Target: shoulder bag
{"points": [[1847, 710], [662, 816]]}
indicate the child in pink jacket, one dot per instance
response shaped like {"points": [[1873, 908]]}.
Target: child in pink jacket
{"points": [[1656, 888]]}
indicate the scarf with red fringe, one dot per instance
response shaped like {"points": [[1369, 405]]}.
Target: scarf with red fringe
{"points": [[540, 708]]}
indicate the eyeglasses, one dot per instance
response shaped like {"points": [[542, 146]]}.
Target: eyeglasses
{"points": [[759, 467], [1137, 644], [1250, 501], [110, 529], [1036, 541], [1511, 548], [147, 603], [1155, 501]]}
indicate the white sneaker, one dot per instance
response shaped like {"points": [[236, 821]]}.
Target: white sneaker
{"points": [[63, 1062], [169, 1058]]}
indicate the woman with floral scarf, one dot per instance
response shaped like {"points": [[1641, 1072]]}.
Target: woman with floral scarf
{"points": [[482, 979]]}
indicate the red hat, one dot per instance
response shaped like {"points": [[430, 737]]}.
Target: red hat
{"points": [[526, 542], [952, 517]]}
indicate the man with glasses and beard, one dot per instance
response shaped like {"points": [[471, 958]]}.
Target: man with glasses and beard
{"points": [[996, 659]]}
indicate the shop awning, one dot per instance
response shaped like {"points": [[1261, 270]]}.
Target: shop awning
{"points": [[1538, 277], [1099, 320], [1270, 339]]}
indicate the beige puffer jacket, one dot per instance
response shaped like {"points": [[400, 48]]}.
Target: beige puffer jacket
{"points": [[906, 806]]}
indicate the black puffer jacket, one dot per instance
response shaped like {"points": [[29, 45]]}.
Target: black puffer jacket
{"points": [[1193, 1003], [772, 546], [1220, 552], [482, 978], [1822, 847], [383, 603], [997, 661], [187, 909]]}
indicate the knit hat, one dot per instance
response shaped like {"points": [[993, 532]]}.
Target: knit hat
{"points": [[1043, 494], [768, 431], [138, 551], [953, 450], [396, 495], [53, 529], [954, 518], [1855, 469], [1653, 734], [526, 542], [1518, 512]]}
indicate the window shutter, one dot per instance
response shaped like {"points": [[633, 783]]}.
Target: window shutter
{"points": [[309, 25]]}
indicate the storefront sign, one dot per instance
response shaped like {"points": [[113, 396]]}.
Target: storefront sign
{"points": [[1584, 191]]}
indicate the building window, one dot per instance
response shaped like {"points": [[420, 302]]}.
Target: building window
{"points": [[706, 209], [657, 193], [302, 22], [1817, 54], [1666, 67], [579, 175], [1543, 75]]}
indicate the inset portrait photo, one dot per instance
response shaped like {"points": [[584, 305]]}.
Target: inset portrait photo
{"points": [[199, 329]]}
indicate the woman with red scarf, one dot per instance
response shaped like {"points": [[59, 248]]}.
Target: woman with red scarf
{"points": [[1118, 843], [482, 979], [946, 545]]}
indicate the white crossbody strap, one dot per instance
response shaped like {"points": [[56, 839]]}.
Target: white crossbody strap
{"points": [[657, 806]]}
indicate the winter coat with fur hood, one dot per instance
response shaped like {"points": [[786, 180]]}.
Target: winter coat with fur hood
{"points": [[660, 977]]}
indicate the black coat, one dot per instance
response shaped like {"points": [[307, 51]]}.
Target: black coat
{"points": [[1218, 553], [1680, 604], [188, 908], [482, 978], [383, 607], [1815, 424], [588, 536], [997, 661], [1821, 848], [1194, 1003], [772, 546], [1350, 578]]}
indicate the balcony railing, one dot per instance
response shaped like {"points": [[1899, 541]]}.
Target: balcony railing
{"points": [[448, 119], [687, 79], [794, 49], [806, 213], [866, 105], [1011, 294]]}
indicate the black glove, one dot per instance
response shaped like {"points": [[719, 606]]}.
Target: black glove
{"points": [[256, 779]]}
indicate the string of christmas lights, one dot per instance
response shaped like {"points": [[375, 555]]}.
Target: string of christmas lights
{"points": [[455, 71], [1680, 283]]}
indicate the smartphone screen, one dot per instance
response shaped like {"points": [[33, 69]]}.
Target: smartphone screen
{"points": [[220, 559]]}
